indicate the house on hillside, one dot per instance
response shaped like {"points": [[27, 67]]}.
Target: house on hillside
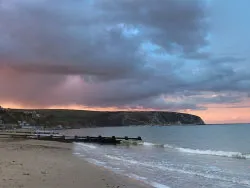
{"points": [[59, 127], [26, 125], [34, 114]]}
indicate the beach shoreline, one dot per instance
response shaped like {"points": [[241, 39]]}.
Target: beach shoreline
{"points": [[45, 164]]}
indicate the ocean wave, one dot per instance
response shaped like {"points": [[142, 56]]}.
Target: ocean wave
{"points": [[237, 155], [96, 162], [152, 144], [134, 176], [140, 143], [131, 142], [158, 185], [229, 154], [90, 146], [182, 171], [76, 153], [145, 180], [131, 161], [208, 176]]}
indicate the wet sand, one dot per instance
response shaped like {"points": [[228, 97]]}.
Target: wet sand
{"points": [[43, 164]]}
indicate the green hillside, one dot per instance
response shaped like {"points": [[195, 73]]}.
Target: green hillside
{"points": [[82, 118]]}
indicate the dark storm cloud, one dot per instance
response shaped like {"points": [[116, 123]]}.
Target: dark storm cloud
{"points": [[171, 24], [50, 39], [102, 45], [62, 34]]}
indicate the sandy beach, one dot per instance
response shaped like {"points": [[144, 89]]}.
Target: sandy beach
{"points": [[42, 164]]}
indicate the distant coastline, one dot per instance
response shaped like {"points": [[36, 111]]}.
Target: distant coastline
{"points": [[83, 118], [228, 123]]}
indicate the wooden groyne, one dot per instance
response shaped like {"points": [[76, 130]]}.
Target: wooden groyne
{"points": [[69, 139]]}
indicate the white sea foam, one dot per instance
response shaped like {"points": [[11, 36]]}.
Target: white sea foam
{"points": [[208, 175], [122, 159], [158, 185], [96, 162], [229, 154], [216, 153], [145, 180], [152, 144], [148, 144], [182, 171], [134, 176], [90, 146]]}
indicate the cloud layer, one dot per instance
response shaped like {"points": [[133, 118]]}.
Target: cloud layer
{"points": [[124, 54]]}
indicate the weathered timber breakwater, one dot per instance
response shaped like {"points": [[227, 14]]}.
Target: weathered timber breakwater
{"points": [[70, 139]]}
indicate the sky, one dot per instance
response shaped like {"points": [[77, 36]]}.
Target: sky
{"points": [[171, 55]]}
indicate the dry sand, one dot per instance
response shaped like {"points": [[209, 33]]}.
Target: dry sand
{"points": [[42, 164]]}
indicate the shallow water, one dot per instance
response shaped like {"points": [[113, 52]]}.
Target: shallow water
{"points": [[176, 156]]}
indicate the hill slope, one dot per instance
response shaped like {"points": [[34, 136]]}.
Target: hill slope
{"points": [[82, 118]]}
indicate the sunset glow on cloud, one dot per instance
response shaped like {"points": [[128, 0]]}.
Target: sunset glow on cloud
{"points": [[187, 56]]}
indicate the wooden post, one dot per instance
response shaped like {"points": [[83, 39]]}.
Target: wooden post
{"points": [[100, 138]]}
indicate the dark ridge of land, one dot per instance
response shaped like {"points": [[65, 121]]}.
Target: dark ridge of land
{"points": [[84, 118]]}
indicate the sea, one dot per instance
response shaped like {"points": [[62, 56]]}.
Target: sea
{"points": [[207, 156]]}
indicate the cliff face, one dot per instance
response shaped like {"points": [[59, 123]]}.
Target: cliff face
{"points": [[82, 118]]}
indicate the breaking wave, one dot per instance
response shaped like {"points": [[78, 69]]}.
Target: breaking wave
{"points": [[145, 180], [229, 154], [236, 155], [152, 144], [89, 146], [179, 170]]}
